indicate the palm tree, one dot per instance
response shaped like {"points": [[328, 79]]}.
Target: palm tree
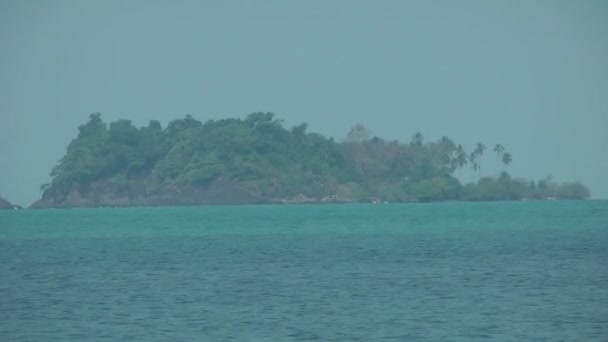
{"points": [[499, 149], [479, 149], [473, 161], [447, 143], [507, 158], [448, 153], [417, 140], [478, 153], [461, 158]]}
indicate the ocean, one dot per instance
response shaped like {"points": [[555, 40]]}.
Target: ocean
{"points": [[500, 271]]}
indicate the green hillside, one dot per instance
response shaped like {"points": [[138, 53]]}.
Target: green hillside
{"points": [[258, 160]]}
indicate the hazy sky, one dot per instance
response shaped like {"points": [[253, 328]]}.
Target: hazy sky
{"points": [[532, 75]]}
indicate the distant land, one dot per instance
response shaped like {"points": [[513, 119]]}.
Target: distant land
{"points": [[4, 204], [258, 160]]}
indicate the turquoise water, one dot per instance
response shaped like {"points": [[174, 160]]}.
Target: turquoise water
{"points": [[394, 272]]}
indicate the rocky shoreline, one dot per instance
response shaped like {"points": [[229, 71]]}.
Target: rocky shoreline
{"points": [[77, 200], [226, 193], [219, 192]]}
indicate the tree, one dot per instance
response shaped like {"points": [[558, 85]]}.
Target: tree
{"points": [[417, 140], [479, 149], [177, 127], [507, 158], [572, 191], [123, 132], [461, 157], [499, 150], [95, 128], [447, 156], [473, 161], [85, 156], [155, 126], [299, 131], [357, 134]]}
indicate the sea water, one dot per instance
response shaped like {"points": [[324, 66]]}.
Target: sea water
{"points": [[504, 271]]}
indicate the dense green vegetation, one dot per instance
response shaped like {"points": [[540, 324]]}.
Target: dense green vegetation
{"points": [[257, 159]]}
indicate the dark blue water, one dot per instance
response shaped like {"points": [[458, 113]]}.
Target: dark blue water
{"points": [[418, 272]]}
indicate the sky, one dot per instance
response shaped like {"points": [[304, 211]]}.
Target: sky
{"points": [[531, 75]]}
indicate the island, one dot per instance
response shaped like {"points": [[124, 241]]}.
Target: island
{"points": [[256, 159], [5, 204]]}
